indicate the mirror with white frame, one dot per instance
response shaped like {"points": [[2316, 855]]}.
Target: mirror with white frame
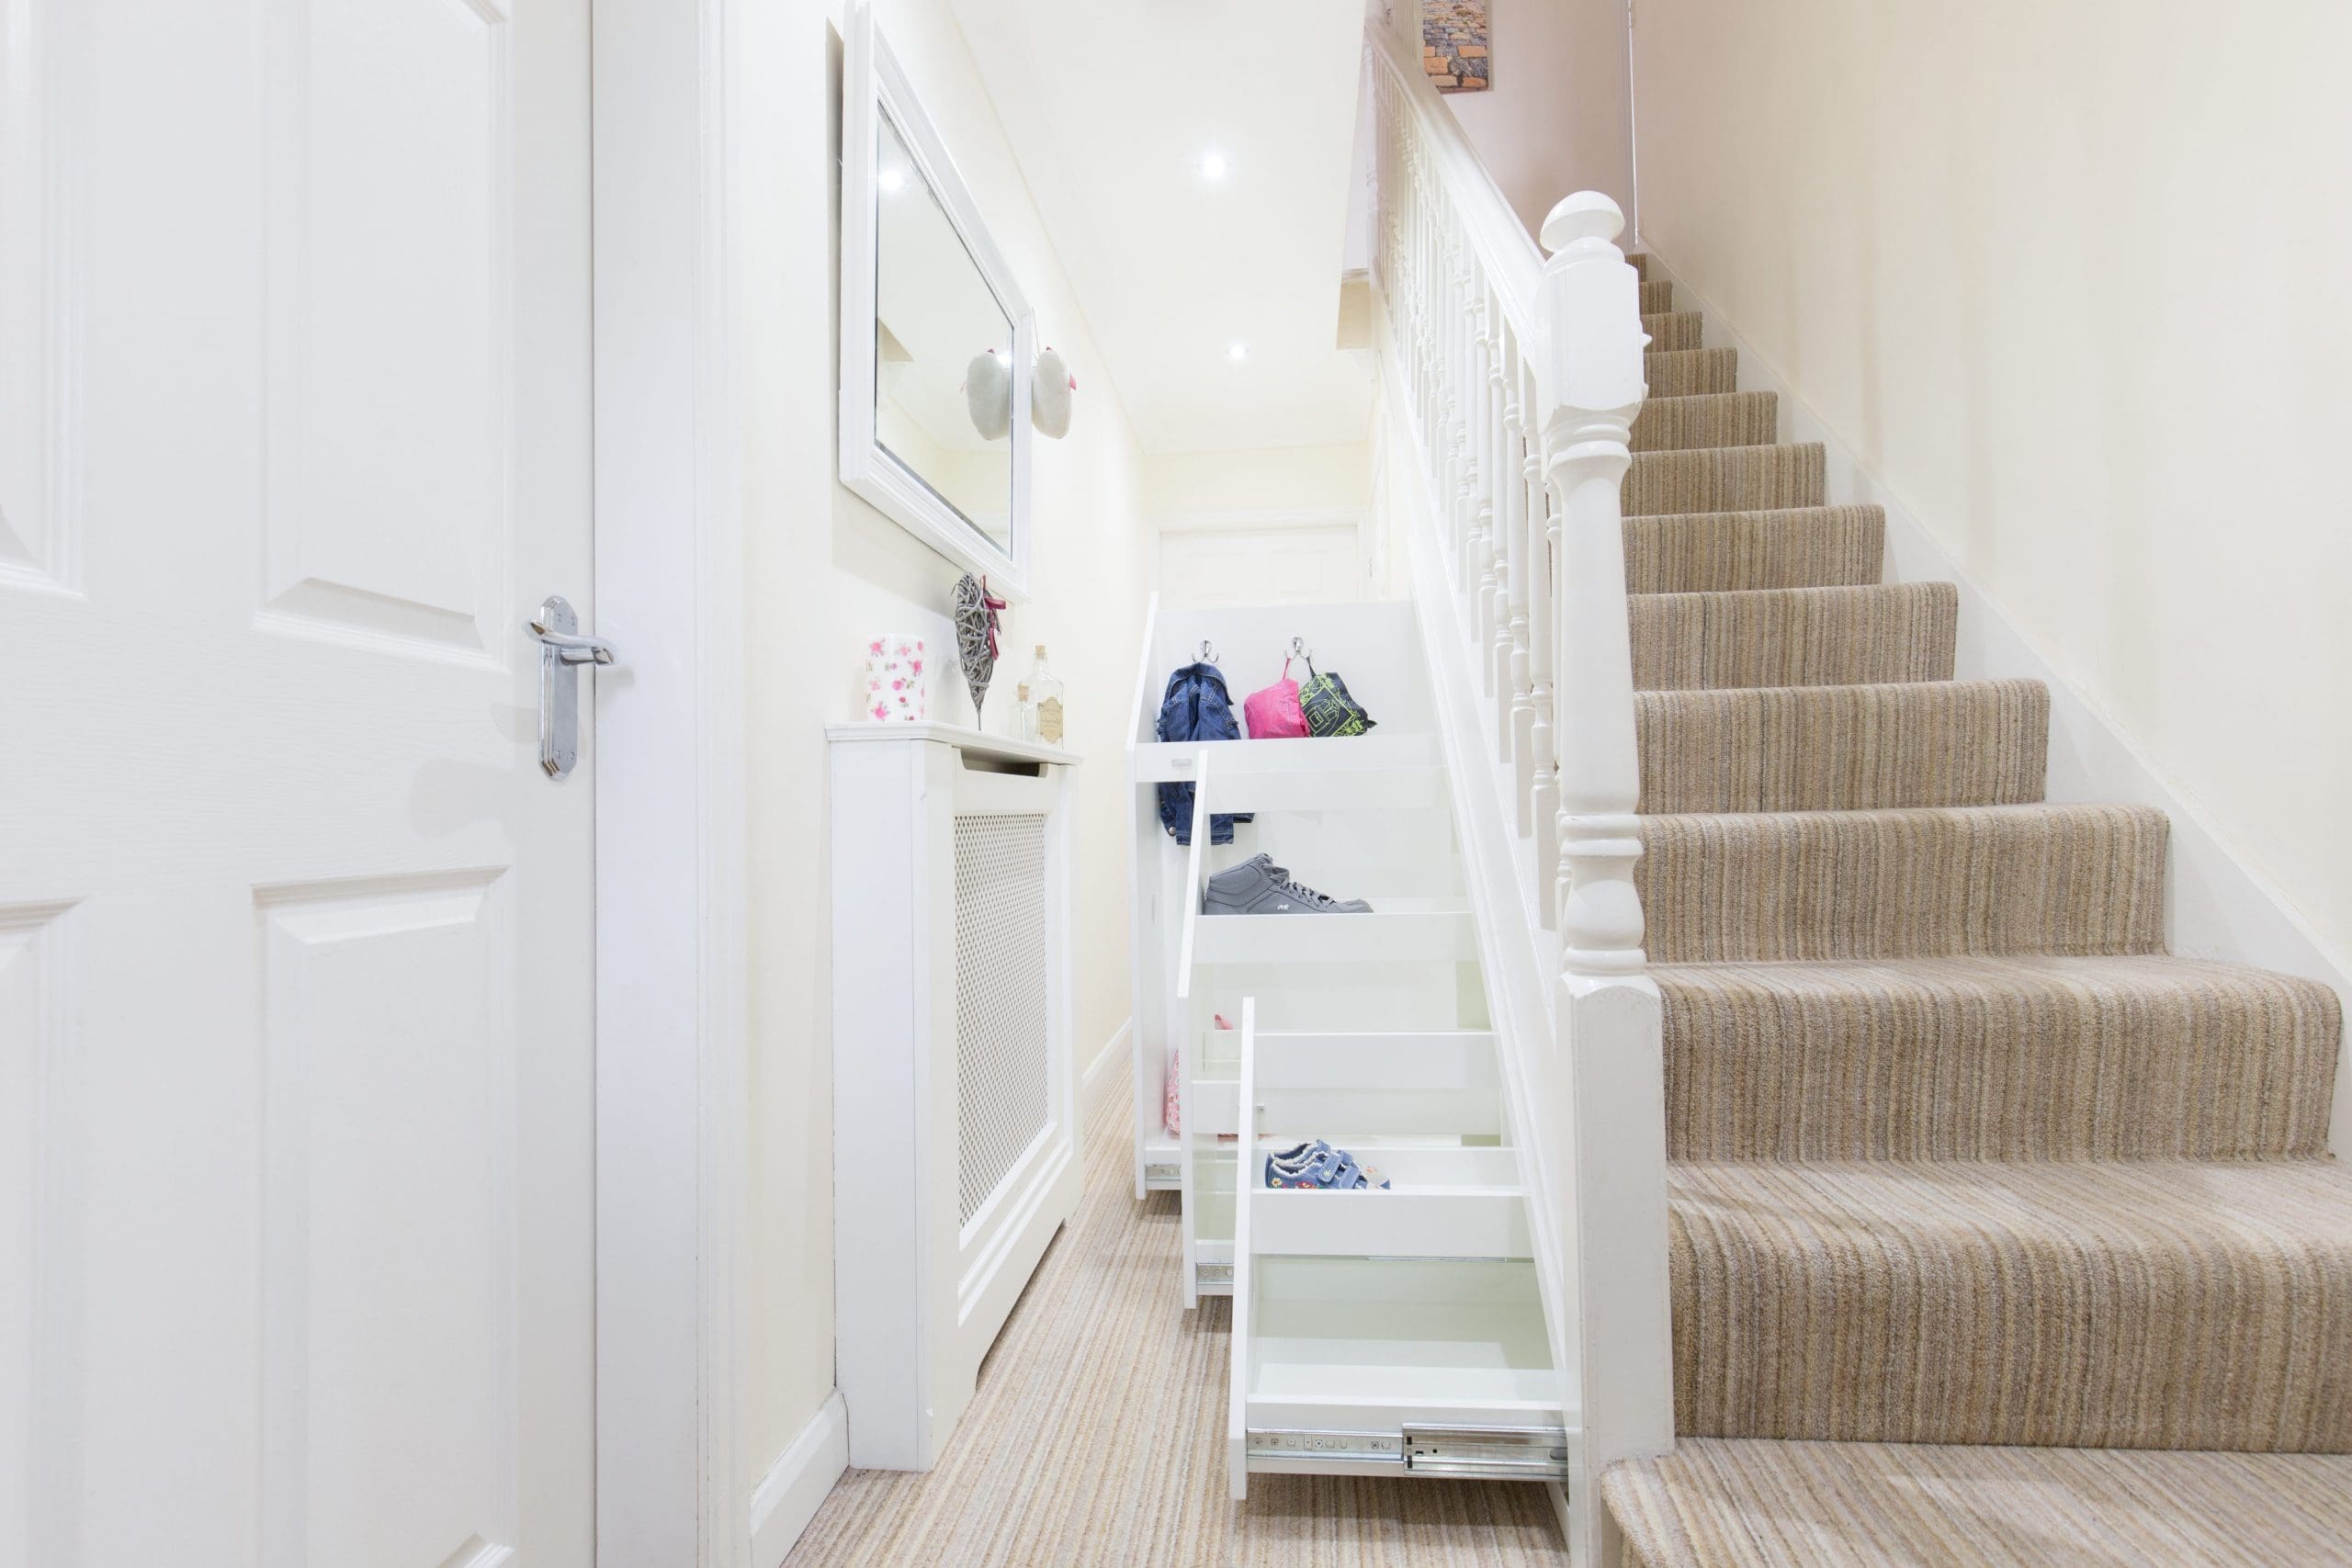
{"points": [[935, 339]]}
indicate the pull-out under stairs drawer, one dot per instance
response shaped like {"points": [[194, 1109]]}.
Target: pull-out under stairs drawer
{"points": [[1382, 1331], [1415, 1105]]}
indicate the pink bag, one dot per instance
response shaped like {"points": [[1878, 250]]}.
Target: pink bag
{"points": [[1275, 714]]}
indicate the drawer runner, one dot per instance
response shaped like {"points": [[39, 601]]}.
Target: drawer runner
{"points": [[1475, 1453]]}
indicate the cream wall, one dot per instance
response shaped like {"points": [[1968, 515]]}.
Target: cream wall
{"points": [[822, 569], [1557, 119], [2069, 279], [1258, 478]]}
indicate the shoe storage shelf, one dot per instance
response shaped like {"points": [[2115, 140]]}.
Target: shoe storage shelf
{"points": [[1374, 1331], [954, 1089], [1384, 1331]]}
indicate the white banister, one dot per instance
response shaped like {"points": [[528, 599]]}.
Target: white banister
{"points": [[1517, 380]]}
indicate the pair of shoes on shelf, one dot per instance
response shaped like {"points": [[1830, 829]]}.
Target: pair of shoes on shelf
{"points": [[1320, 1168], [1259, 886]]}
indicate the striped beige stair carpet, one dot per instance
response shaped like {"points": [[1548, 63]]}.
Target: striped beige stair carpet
{"points": [[1684, 372], [2119, 1303], [1707, 419], [1730, 1504], [1672, 330], [1961, 1156], [1794, 637], [1810, 885], [1098, 1438], [1724, 479], [1843, 748], [2016, 1058], [1700, 552]]}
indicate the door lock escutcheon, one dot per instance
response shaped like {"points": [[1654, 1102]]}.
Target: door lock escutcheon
{"points": [[562, 650]]}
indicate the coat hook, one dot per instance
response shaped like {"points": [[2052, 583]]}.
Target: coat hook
{"points": [[1208, 651]]}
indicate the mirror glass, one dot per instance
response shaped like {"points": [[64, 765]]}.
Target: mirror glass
{"points": [[943, 350]]}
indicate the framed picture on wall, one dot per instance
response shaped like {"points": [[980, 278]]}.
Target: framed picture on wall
{"points": [[1454, 47]]}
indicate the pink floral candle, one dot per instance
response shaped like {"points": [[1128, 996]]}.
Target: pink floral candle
{"points": [[894, 678]]}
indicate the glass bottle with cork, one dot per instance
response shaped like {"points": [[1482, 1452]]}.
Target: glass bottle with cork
{"points": [[1041, 702]]}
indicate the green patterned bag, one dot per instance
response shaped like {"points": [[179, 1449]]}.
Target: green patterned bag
{"points": [[1328, 707]]}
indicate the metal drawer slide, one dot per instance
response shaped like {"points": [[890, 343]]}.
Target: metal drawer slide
{"points": [[1481, 1453]]}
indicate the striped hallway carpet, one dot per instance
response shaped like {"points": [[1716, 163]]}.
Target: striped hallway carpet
{"points": [[1999, 1234], [1098, 1438]]}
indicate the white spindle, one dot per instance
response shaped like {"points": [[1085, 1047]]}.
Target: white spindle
{"points": [[1544, 539], [1525, 552], [1510, 594]]}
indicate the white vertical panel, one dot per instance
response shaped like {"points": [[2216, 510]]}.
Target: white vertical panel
{"points": [[389, 321], [38, 1281], [35, 314], [388, 1225]]}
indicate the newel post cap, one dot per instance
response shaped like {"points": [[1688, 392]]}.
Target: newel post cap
{"points": [[1587, 215]]}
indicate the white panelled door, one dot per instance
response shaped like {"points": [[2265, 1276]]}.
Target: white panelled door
{"points": [[1215, 568], [296, 997]]}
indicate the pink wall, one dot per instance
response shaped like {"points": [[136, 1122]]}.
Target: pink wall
{"points": [[1558, 118]]}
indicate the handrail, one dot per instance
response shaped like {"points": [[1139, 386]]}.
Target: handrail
{"points": [[1517, 383]]}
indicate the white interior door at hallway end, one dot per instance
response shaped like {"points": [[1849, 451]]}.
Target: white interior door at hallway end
{"points": [[296, 986], [1215, 568]]}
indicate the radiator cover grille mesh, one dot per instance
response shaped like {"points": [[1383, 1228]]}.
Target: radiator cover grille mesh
{"points": [[1003, 1094]]}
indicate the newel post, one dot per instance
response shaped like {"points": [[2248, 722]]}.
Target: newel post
{"points": [[1590, 387]]}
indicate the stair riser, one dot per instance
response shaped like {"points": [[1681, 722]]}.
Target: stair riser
{"points": [[1807, 637], [1721, 419], [1994, 1063], [1724, 479], [1657, 298], [1691, 374], [1903, 884], [1704, 552], [2009, 1331], [1843, 748], [1673, 330]]}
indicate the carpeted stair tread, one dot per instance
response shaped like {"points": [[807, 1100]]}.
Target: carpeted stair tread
{"points": [[1796, 546], [1708, 419], [1671, 331], [1843, 748], [1996, 1058], [1717, 1503], [1807, 886], [1684, 372], [1794, 637], [1724, 478], [2119, 1304], [1657, 298], [1641, 265]]}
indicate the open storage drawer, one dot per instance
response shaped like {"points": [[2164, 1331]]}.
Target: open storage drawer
{"points": [[1383, 1332]]}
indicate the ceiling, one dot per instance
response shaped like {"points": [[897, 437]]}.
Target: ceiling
{"points": [[1110, 106]]}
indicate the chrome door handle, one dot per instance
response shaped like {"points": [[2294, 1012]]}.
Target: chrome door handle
{"points": [[562, 653]]}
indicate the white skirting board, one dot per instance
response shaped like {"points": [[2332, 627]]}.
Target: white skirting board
{"points": [[2219, 908], [1103, 1075], [788, 1495]]}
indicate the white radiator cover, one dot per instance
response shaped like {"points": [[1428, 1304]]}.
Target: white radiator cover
{"points": [[955, 1075], [1003, 1070]]}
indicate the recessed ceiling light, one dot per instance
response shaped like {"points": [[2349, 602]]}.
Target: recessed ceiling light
{"points": [[1213, 165], [1238, 351]]}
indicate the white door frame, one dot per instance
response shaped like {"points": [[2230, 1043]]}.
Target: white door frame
{"points": [[670, 959]]}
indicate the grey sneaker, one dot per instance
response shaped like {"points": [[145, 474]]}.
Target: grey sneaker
{"points": [[1259, 886]]}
